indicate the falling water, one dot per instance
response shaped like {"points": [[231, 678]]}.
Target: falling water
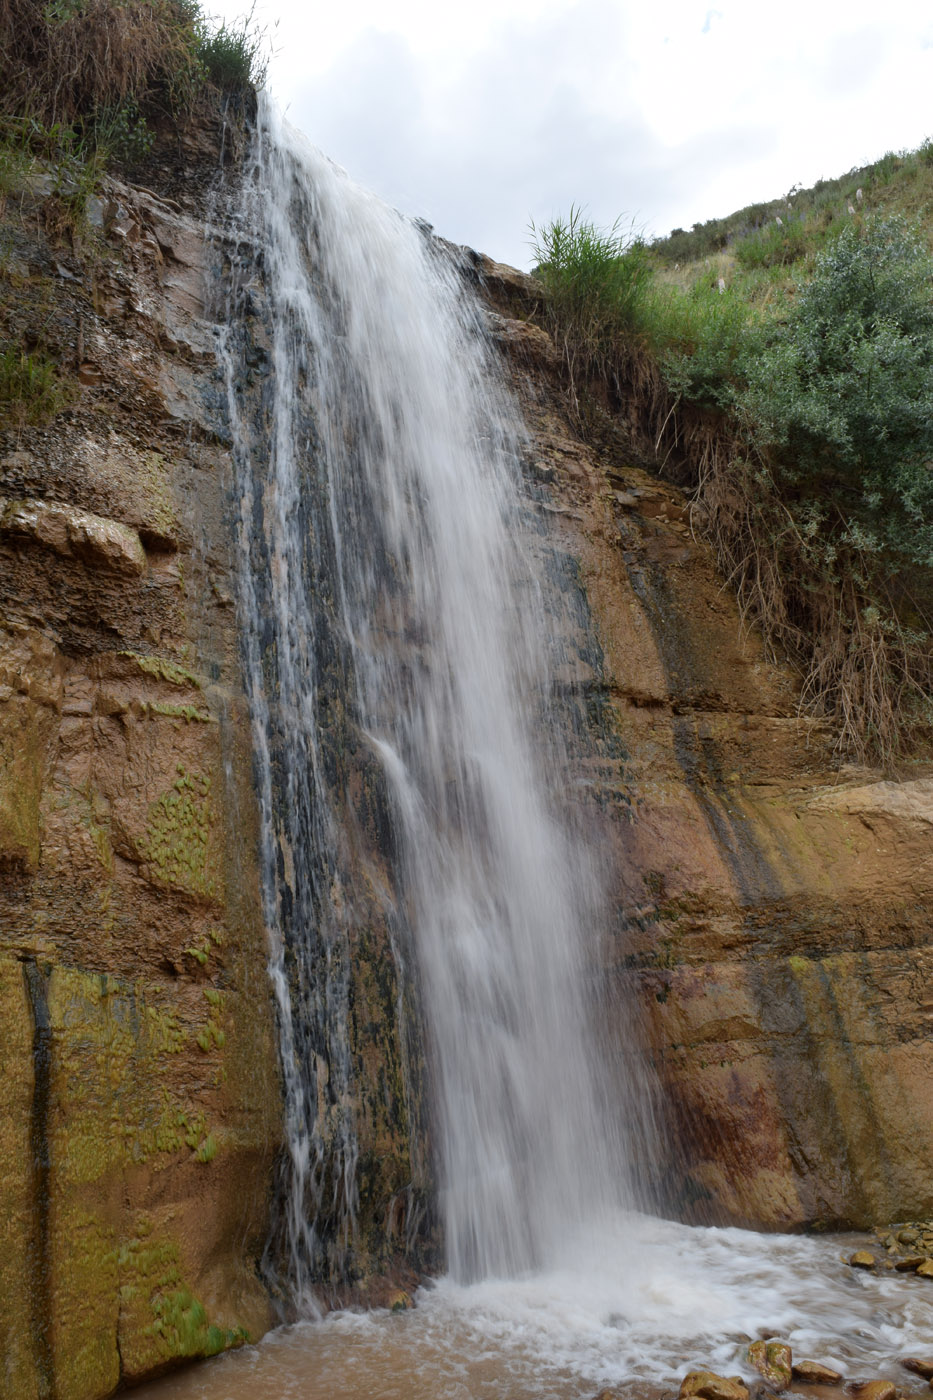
{"points": [[380, 375]]}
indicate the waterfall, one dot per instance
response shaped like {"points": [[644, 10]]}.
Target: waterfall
{"points": [[387, 589]]}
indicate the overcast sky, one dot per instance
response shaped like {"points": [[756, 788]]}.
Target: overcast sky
{"points": [[488, 115]]}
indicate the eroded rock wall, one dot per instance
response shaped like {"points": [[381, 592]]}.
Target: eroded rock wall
{"points": [[139, 1095], [773, 906]]}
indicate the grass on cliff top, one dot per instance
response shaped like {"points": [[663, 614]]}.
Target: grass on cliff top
{"points": [[95, 75], [794, 399]]}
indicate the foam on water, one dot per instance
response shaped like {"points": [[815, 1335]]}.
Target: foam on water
{"points": [[635, 1305]]}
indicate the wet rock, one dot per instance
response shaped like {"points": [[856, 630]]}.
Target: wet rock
{"points": [[708, 1386], [872, 1390], [107, 544], [919, 1366], [815, 1373], [862, 1259], [925, 1270], [399, 1301], [773, 1361], [908, 1236], [909, 1263]]}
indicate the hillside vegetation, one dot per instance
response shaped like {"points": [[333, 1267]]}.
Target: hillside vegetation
{"points": [[779, 363], [87, 87]]}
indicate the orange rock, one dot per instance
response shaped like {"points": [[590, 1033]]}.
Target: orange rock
{"points": [[815, 1373], [708, 1386], [773, 1361]]}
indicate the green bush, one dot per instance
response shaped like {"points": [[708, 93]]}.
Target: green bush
{"points": [[775, 245], [232, 56], [842, 398], [597, 284], [702, 338]]}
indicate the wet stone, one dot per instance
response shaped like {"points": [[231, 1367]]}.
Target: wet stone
{"points": [[909, 1263], [872, 1390], [925, 1270], [708, 1386], [862, 1259], [919, 1365], [399, 1301], [815, 1373], [773, 1361]]}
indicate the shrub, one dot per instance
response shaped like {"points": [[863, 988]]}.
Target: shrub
{"points": [[843, 396], [596, 284], [776, 245], [232, 56]]}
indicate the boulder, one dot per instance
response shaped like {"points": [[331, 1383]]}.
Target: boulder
{"points": [[708, 1386], [815, 1373], [773, 1361], [873, 1390], [919, 1366]]}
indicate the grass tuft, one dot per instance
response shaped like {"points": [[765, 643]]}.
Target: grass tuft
{"points": [[31, 391]]}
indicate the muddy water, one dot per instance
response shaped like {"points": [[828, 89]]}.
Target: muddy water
{"points": [[638, 1303]]}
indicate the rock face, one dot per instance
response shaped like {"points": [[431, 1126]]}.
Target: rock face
{"points": [[139, 1097], [772, 934], [773, 905]]}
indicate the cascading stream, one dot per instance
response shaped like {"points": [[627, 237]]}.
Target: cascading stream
{"points": [[382, 389]]}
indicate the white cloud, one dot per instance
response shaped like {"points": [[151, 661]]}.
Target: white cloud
{"points": [[481, 119]]}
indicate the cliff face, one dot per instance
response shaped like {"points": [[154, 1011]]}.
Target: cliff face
{"points": [[138, 1074], [774, 906], [772, 909]]}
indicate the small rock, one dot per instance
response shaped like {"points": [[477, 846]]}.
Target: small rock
{"points": [[815, 1373], [919, 1367], [908, 1236], [909, 1263], [873, 1390], [625, 498], [708, 1386], [399, 1301], [773, 1361], [862, 1259], [925, 1270]]}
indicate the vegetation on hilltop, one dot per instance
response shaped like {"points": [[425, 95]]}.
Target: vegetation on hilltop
{"points": [[88, 86], [785, 377], [88, 81]]}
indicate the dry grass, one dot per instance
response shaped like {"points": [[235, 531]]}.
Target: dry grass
{"points": [[861, 666], [61, 62]]}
